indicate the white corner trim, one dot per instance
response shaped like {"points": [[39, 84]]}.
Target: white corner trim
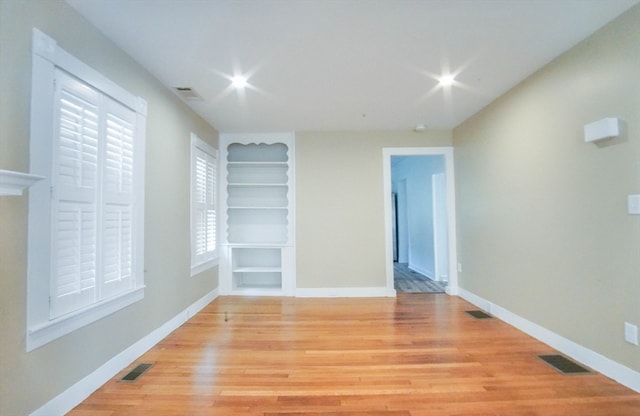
{"points": [[44, 45], [75, 394], [612, 369], [13, 183], [451, 290], [345, 292]]}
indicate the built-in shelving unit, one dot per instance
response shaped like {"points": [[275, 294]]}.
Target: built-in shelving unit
{"points": [[257, 214]]}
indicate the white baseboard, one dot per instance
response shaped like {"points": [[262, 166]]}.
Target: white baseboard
{"points": [[345, 292], [75, 394], [612, 369], [199, 305], [451, 290], [481, 303], [429, 273]]}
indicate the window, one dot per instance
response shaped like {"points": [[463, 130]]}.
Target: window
{"points": [[204, 171], [86, 218]]}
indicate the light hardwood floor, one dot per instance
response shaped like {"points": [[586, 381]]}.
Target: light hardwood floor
{"points": [[415, 355]]}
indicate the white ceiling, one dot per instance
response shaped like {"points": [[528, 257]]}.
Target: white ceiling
{"points": [[345, 64]]}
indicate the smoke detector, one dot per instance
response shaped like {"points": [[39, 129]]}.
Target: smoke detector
{"points": [[419, 128]]}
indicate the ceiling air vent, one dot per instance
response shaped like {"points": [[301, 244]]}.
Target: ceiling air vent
{"points": [[188, 94]]}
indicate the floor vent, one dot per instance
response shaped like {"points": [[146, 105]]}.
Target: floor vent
{"points": [[563, 364], [134, 374], [479, 314]]}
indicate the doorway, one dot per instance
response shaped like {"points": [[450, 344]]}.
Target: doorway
{"points": [[419, 244], [419, 214]]}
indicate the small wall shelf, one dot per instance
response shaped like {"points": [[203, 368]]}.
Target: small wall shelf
{"points": [[14, 183]]}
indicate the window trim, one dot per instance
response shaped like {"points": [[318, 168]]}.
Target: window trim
{"points": [[46, 57], [198, 143]]}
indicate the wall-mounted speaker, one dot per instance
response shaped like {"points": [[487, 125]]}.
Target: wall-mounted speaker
{"points": [[602, 129]]}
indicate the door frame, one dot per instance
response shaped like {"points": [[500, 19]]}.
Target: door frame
{"points": [[404, 249], [447, 152], [440, 232]]}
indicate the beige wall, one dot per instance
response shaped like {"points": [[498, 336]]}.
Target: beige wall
{"points": [[29, 380], [542, 224], [340, 205], [543, 227]]}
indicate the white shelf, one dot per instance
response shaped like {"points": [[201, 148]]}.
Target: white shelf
{"points": [[272, 244], [265, 290], [255, 207], [256, 184], [253, 288], [13, 183], [257, 270], [257, 164]]}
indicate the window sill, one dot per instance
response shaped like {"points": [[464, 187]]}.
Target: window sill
{"points": [[199, 268], [39, 335]]}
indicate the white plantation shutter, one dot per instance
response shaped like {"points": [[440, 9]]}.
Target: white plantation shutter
{"points": [[117, 200], [203, 203], [75, 153], [117, 253], [92, 193], [200, 196], [74, 260], [211, 199]]}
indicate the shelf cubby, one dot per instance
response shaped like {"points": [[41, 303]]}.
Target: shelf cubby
{"points": [[258, 196], [257, 174], [257, 152]]}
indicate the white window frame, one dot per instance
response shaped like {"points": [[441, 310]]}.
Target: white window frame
{"points": [[203, 261], [47, 59]]}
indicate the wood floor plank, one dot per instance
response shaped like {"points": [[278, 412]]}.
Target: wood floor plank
{"points": [[416, 355]]}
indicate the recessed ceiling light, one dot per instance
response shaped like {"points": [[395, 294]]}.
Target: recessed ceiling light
{"points": [[239, 82], [447, 80]]}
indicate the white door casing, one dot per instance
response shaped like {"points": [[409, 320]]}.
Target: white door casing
{"points": [[447, 153]]}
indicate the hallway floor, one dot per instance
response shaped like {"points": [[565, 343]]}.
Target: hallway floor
{"points": [[406, 280]]}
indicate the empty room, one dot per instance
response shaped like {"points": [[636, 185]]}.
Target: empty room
{"points": [[205, 206]]}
